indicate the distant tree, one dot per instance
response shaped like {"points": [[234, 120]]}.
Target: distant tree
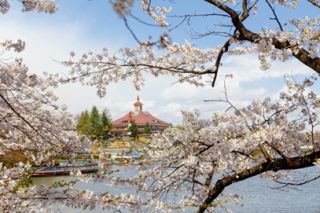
{"points": [[94, 125], [106, 124], [133, 129], [95, 120], [84, 126], [147, 129]]}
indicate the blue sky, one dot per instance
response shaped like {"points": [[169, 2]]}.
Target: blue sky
{"points": [[81, 25]]}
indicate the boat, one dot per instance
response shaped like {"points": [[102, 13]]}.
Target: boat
{"points": [[65, 170]]}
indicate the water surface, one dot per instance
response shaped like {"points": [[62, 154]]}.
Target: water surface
{"points": [[257, 195]]}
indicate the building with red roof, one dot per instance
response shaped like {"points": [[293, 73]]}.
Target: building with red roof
{"points": [[140, 118]]}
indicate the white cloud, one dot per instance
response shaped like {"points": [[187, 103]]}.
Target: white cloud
{"points": [[170, 112], [246, 68], [180, 92]]}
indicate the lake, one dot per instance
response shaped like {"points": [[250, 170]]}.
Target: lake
{"points": [[256, 194]]}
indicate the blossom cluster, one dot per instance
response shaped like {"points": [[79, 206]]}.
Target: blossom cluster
{"points": [[122, 7], [186, 62], [47, 6], [306, 35], [158, 14]]}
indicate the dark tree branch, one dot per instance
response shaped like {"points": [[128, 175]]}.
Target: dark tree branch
{"points": [[275, 15], [246, 35], [23, 118], [276, 150], [211, 32], [242, 153], [245, 13], [223, 50], [275, 165], [294, 184], [144, 22], [131, 31], [315, 3], [188, 17], [179, 24], [199, 15]]}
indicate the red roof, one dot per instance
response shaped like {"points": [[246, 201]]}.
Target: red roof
{"points": [[140, 118]]}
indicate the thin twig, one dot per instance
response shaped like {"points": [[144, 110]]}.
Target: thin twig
{"points": [[131, 31], [275, 15]]}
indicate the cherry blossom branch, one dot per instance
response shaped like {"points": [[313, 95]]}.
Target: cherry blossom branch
{"points": [[20, 116], [275, 165], [246, 35]]}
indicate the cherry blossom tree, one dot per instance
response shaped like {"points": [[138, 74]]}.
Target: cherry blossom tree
{"points": [[196, 162], [33, 127]]}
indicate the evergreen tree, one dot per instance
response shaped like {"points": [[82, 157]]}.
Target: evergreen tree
{"points": [[106, 124], [84, 126], [95, 120], [94, 125], [147, 129], [133, 129]]}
